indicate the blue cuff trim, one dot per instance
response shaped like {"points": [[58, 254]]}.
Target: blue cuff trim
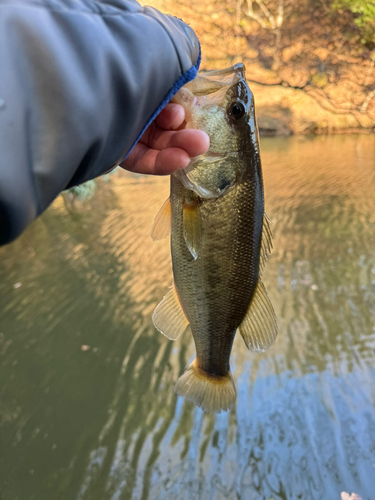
{"points": [[185, 78]]}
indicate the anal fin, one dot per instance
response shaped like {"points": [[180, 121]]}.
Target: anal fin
{"points": [[162, 223], [259, 327], [169, 318]]}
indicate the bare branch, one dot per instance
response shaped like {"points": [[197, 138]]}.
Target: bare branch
{"points": [[264, 16], [280, 15], [267, 13], [253, 15], [367, 101]]}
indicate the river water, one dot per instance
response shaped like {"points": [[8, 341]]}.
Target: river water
{"points": [[87, 409]]}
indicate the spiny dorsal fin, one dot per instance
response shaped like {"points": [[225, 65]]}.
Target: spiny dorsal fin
{"points": [[259, 327], [192, 224], [266, 244], [169, 318], [162, 223]]}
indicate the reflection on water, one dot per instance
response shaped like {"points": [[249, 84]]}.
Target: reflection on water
{"points": [[102, 422]]}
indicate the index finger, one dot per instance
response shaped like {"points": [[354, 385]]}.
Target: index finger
{"points": [[171, 117]]}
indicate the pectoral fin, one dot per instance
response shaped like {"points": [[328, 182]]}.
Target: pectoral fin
{"points": [[259, 327], [192, 224], [169, 318], [266, 244], [162, 223]]}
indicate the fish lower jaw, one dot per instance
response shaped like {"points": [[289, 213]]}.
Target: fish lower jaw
{"points": [[212, 393]]}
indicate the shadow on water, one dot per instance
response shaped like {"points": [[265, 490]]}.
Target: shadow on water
{"points": [[87, 409]]}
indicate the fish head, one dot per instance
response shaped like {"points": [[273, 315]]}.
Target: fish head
{"points": [[222, 104]]}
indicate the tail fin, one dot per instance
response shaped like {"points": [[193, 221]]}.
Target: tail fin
{"points": [[211, 393]]}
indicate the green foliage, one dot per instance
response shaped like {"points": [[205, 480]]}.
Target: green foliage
{"points": [[84, 191], [364, 11]]}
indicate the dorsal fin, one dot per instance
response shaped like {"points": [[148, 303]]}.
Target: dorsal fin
{"points": [[168, 317], [266, 244], [259, 327], [162, 222]]}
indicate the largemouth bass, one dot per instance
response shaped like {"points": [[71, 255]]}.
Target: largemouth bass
{"points": [[220, 239]]}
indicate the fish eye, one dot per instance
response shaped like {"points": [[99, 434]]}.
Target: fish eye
{"points": [[237, 110]]}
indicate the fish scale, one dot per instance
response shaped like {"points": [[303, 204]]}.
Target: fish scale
{"points": [[215, 289]]}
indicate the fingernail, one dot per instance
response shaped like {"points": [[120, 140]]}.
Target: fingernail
{"points": [[185, 162]]}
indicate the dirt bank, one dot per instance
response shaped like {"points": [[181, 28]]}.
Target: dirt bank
{"points": [[315, 77]]}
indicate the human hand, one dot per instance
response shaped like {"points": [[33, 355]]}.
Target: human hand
{"points": [[166, 145]]}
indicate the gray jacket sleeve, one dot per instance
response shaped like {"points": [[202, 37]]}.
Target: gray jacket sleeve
{"points": [[80, 80]]}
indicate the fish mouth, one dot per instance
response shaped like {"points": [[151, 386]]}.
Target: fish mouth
{"points": [[238, 69], [198, 92], [208, 82]]}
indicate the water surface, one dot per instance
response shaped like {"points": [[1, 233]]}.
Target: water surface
{"points": [[87, 409]]}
